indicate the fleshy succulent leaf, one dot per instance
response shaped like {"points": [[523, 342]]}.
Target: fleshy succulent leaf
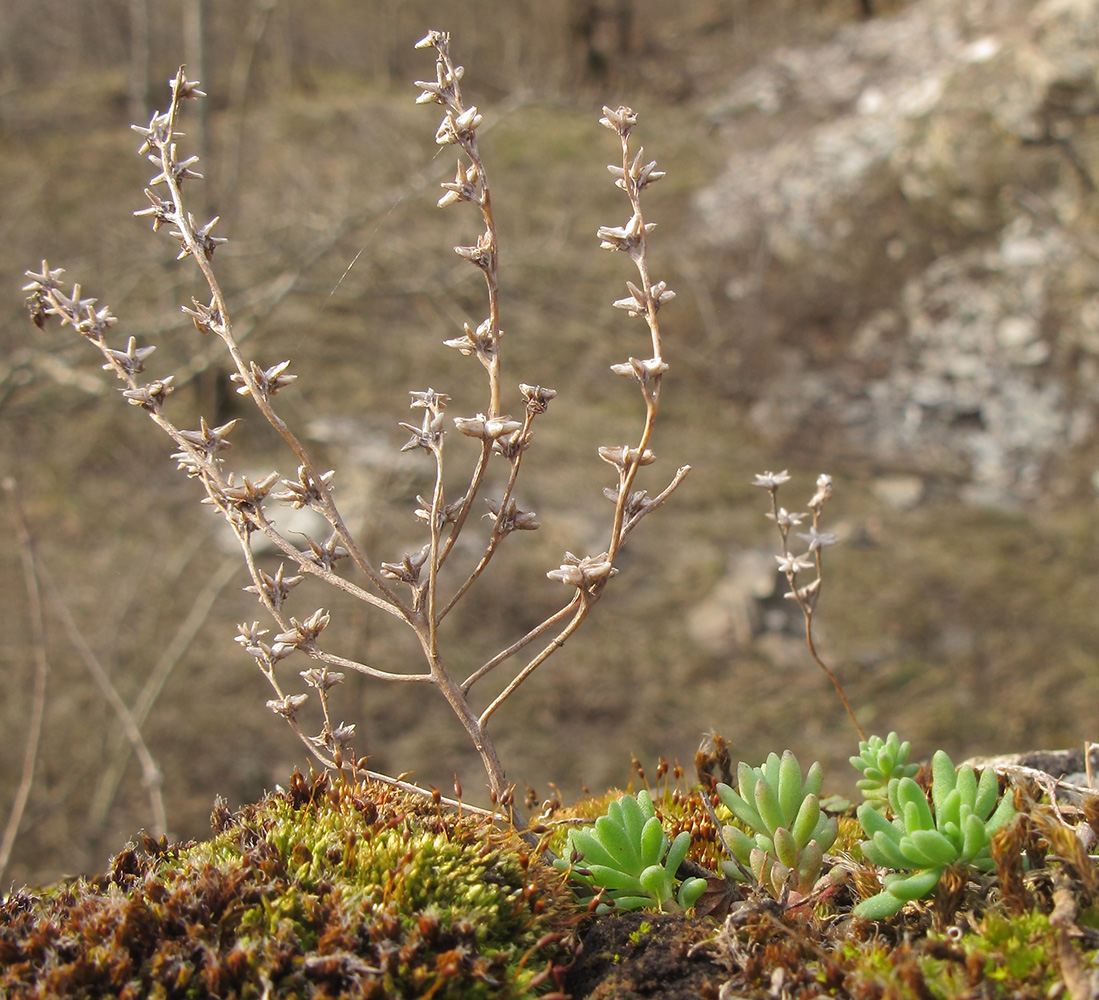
{"points": [[690, 891], [914, 886], [767, 804], [786, 850], [653, 842], [926, 838], [987, 790], [789, 787], [805, 822], [677, 852], [626, 854], [943, 777]]}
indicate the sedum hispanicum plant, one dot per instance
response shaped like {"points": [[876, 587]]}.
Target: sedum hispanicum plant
{"points": [[924, 839], [409, 587], [789, 831], [627, 855], [791, 566], [879, 761]]}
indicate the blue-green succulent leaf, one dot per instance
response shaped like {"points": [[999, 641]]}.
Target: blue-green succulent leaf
{"points": [[874, 822], [987, 791], [653, 842], [690, 891], [1004, 812], [933, 845], [740, 807], [913, 855], [767, 804], [805, 822], [966, 785], [943, 777], [879, 907], [974, 837], [913, 806], [789, 787], [885, 852], [949, 811], [678, 851], [914, 886]]}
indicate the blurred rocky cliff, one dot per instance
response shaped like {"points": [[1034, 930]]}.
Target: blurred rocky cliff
{"points": [[908, 210]]}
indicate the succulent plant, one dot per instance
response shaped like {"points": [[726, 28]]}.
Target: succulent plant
{"points": [[925, 839], [879, 761], [791, 833], [627, 855]]}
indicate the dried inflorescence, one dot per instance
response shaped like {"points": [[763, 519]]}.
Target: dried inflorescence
{"points": [[792, 565], [408, 586]]}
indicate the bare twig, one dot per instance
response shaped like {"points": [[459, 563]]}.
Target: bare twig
{"points": [[150, 772], [41, 672]]}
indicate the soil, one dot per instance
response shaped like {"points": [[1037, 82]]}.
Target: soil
{"points": [[645, 955]]}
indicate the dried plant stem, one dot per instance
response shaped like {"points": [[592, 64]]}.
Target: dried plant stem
{"points": [[583, 602], [150, 772], [790, 565], [41, 672], [831, 676], [111, 776], [425, 605]]}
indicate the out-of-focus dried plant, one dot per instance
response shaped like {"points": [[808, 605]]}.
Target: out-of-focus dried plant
{"points": [[805, 595], [410, 586]]}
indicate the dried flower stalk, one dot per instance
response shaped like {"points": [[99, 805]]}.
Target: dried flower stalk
{"points": [[408, 587], [805, 595]]}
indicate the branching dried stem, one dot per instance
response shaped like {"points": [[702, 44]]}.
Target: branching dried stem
{"points": [[409, 587], [806, 595]]}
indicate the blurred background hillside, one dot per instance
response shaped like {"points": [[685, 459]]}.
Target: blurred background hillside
{"points": [[881, 222]]}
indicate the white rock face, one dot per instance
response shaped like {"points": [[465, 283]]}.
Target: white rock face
{"points": [[919, 191]]}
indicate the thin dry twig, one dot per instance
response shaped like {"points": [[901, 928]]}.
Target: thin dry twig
{"points": [[150, 772], [111, 775], [41, 672]]}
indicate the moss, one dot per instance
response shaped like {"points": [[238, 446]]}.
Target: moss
{"points": [[324, 889]]}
